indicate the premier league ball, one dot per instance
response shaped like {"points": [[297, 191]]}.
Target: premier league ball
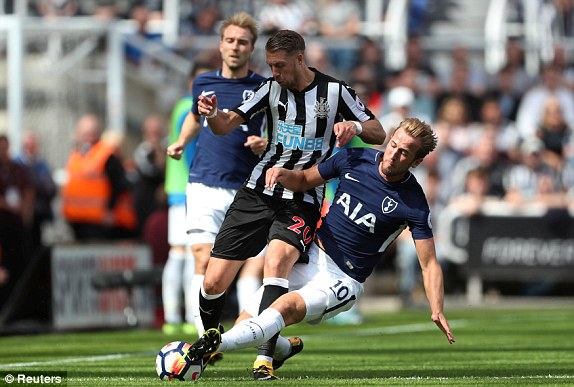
{"points": [[171, 363]]}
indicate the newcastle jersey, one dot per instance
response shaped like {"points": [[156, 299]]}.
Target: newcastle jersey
{"points": [[300, 128]]}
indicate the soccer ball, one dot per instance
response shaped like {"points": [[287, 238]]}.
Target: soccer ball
{"points": [[171, 363]]}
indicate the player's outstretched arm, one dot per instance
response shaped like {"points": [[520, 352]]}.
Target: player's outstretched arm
{"points": [[433, 283], [373, 132], [296, 181], [369, 131], [189, 130]]}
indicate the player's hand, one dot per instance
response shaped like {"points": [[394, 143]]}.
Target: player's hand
{"points": [[257, 144], [274, 176], [175, 151], [206, 106], [441, 322], [344, 131]]}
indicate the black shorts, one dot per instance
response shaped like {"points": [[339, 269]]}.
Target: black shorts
{"points": [[253, 219]]}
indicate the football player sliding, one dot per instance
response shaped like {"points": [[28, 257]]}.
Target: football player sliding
{"points": [[376, 199]]}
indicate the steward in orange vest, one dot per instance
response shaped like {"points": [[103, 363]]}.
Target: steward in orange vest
{"points": [[95, 192]]}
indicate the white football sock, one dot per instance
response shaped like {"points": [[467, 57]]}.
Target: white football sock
{"points": [[191, 295], [246, 288], [253, 331], [282, 348], [195, 288], [171, 292]]}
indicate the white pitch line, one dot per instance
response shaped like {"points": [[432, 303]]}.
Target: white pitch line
{"points": [[408, 328], [392, 330], [74, 360], [482, 378]]}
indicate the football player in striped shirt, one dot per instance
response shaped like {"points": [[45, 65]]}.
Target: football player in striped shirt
{"points": [[308, 113]]}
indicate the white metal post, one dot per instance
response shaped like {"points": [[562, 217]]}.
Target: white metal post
{"points": [[115, 88], [15, 68], [171, 22]]}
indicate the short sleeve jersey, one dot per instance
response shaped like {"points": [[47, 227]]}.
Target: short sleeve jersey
{"points": [[300, 128], [224, 161], [368, 212]]}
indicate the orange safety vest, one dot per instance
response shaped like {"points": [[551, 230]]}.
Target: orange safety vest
{"points": [[87, 192]]}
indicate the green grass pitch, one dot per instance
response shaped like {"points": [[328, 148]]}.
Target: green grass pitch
{"points": [[493, 347]]}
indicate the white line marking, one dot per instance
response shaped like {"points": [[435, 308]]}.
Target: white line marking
{"points": [[483, 378], [420, 327], [392, 330], [75, 360]]}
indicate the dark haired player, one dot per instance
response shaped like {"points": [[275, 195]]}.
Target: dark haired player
{"points": [[308, 113], [377, 198]]}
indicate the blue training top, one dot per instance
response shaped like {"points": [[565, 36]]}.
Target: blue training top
{"points": [[368, 213], [223, 161]]}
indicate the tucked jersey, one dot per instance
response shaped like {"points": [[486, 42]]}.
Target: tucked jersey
{"points": [[368, 213], [224, 161], [300, 128]]}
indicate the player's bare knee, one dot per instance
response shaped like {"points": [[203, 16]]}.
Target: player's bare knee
{"points": [[278, 266], [292, 307], [213, 286], [292, 313], [201, 251]]}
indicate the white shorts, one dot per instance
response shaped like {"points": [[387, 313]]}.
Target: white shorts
{"points": [[326, 289], [176, 229], [206, 208]]}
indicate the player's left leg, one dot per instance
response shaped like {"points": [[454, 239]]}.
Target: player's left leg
{"points": [[243, 234], [218, 276], [249, 332], [291, 235], [253, 331]]}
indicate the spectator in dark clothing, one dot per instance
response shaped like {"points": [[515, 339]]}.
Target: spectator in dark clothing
{"points": [[149, 158], [16, 204], [44, 188]]}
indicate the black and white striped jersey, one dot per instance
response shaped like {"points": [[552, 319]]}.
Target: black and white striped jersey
{"points": [[300, 128]]}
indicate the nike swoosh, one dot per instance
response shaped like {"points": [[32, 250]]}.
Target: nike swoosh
{"points": [[206, 93], [206, 311], [348, 176]]}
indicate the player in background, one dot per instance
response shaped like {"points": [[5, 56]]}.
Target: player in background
{"points": [[221, 163], [377, 198], [308, 114], [179, 268]]}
